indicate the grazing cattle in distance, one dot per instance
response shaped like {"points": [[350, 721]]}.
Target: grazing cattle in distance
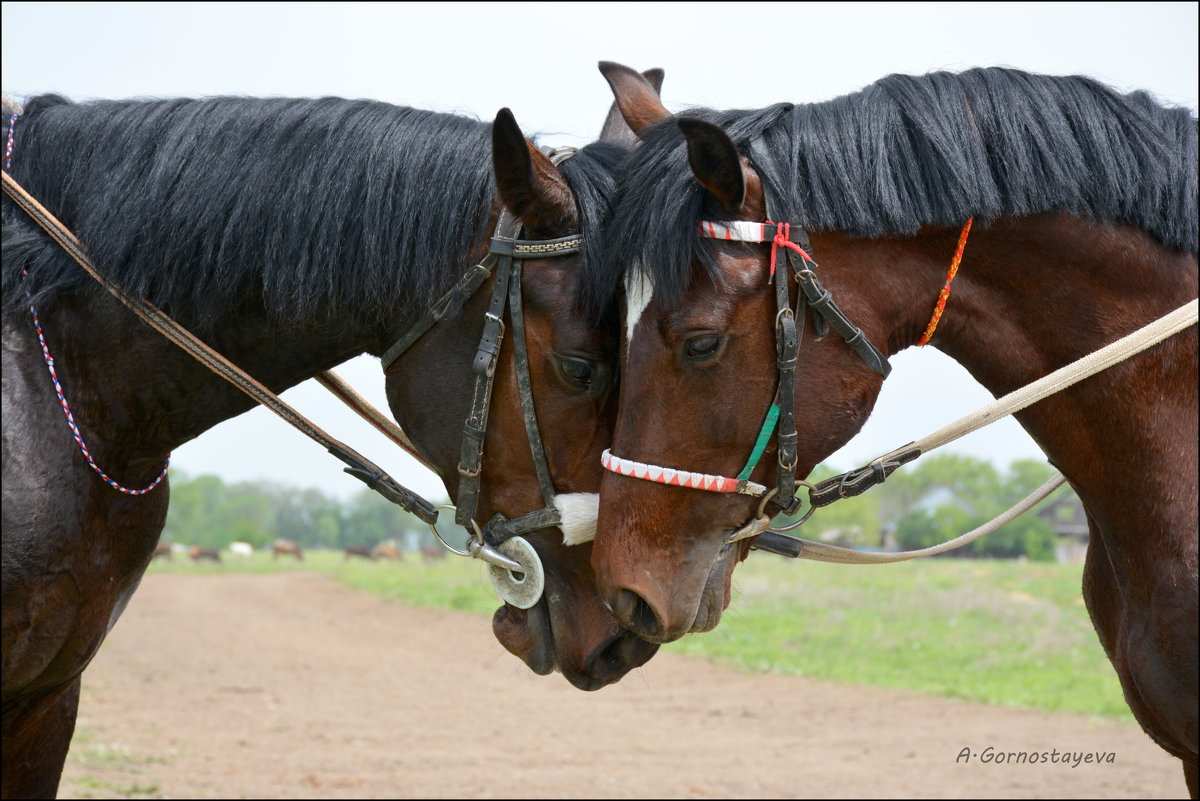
{"points": [[432, 552], [241, 549], [287, 548], [388, 552], [163, 549], [361, 551], [198, 554]]}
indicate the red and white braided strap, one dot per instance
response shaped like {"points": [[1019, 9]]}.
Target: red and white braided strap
{"points": [[679, 478], [736, 231]]}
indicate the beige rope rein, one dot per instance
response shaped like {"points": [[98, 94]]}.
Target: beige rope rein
{"points": [[1183, 317]]}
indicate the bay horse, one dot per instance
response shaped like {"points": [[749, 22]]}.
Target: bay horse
{"points": [[291, 235], [199, 554], [382, 551], [360, 551], [1085, 229], [282, 547]]}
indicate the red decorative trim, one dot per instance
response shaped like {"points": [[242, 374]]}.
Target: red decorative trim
{"points": [[944, 295]]}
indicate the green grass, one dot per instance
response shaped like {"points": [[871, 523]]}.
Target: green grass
{"points": [[117, 763], [997, 632], [88, 787]]}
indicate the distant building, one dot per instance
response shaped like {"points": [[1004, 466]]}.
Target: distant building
{"points": [[1066, 516], [931, 501]]}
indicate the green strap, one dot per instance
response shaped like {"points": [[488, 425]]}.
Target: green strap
{"points": [[760, 445]]}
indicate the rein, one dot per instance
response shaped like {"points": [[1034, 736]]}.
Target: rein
{"points": [[859, 481], [359, 466], [514, 566]]}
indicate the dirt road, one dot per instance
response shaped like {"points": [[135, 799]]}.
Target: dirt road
{"points": [[289, 685]]}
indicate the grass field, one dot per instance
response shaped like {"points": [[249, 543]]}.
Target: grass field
{"points": [[997, 632]]}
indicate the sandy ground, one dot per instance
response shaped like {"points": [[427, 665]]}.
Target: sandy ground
{"points": [[289, 685]]}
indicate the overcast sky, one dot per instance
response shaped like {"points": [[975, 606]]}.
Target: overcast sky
{"points": [[539, 59]]}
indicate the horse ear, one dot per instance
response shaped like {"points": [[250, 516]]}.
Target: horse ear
{"points": [[637, 97], [615, 128], [528, 183], [716, 163]]}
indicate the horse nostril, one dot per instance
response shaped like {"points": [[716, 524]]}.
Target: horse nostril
{"points": [[635, 614]]}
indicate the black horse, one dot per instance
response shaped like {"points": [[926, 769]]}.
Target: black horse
{"points": [[290, 235]]}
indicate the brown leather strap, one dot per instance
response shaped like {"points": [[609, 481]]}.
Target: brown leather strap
{"points": [[359, 466]]}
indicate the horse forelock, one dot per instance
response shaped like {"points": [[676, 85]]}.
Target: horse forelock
{"points": [[913, 151]]}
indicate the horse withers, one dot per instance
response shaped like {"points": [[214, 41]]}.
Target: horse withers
{"points": [[772, 260], [323, 236]]}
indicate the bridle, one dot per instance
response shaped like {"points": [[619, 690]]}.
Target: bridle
{"points": [[505, 257], [790, 243], [790, 256], [514, 566]]}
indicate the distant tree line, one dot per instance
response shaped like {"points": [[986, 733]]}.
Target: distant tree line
{"points": [[206, 511], [929, 501]]}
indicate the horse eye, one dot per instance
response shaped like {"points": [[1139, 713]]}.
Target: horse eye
{"points": [[701, 347], [577, 371]]}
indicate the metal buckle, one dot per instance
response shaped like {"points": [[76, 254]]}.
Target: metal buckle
{"points": [[807, 514]]}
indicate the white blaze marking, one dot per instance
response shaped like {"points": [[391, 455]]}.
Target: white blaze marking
{"points": [[639, 291]]}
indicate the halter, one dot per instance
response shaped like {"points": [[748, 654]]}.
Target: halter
{"points": [[790, 249]]}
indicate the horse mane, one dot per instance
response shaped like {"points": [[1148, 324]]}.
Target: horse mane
{"points": [[914, 151], [309, 207]]}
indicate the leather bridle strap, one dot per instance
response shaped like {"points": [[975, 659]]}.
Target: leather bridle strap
{"points": [[510, 254], [446, 307], [499, 528], [358, 465], [487, 355]]}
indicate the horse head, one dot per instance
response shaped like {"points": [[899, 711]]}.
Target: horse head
{"points": [[700, 374], [570, 363]]}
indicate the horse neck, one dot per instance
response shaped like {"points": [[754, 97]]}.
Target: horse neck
{"points": [[1035, 294]]}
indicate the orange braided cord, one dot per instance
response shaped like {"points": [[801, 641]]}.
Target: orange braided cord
{"points": [[944, 295]]}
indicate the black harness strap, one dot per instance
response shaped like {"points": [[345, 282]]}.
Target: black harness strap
{"points": [[789, 330], [446, 307], [525, 387], [484, 366], [856, 482]]}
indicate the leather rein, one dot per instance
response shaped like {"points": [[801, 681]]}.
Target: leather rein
{"points": [[513, 564]]}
